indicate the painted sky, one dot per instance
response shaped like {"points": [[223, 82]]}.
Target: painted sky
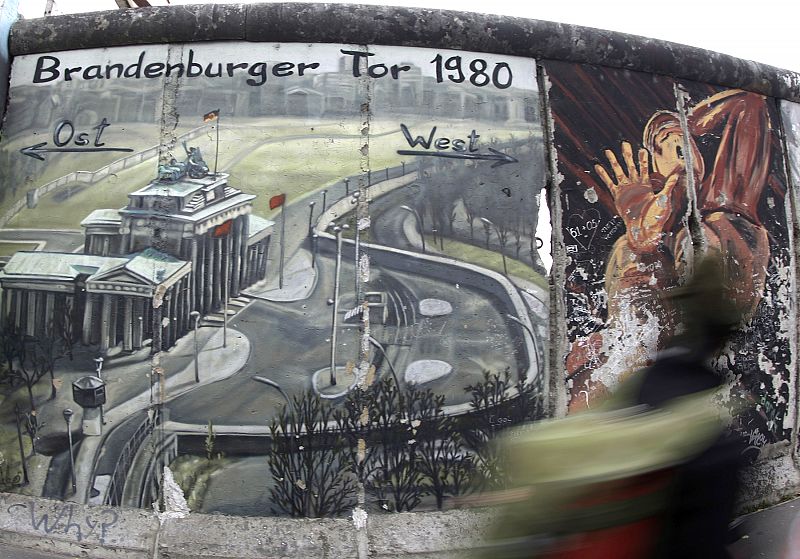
{"points": [[764, 31]]}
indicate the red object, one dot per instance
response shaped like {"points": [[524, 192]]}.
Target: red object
{"points": [[631, 541], [277, 201], [635, 539], [224, 229]]}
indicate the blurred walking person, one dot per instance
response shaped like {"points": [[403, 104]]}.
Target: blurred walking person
{"points": [[650, 475]]}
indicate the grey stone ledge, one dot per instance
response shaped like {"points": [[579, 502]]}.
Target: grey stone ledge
{"points": [[100, 532], [358, 24], [125, 533]]}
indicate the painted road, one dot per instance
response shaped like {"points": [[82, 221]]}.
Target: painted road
{"points": [[54, 241], [291, 341]]}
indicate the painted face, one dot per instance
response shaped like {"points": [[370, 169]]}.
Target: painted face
{"points": [[667, 152]]}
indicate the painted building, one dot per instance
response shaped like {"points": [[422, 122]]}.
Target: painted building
{"points": [[183, 243]]}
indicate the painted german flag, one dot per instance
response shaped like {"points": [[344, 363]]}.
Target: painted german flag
{"points": [[213, 115]]}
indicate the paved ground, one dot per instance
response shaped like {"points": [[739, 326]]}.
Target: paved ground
{"points": [[766, 533]]}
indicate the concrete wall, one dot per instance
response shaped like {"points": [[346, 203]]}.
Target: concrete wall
{"points": [[8, 15], [487, 185]]}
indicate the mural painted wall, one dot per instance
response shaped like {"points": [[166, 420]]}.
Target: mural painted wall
{"points": [[312, 277], [302, 276], [654, 171]]}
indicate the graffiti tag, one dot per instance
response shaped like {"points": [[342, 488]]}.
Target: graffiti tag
{"points": [[583, 227], [499, 421], [68, 519], [610, 229], [755, 438]]}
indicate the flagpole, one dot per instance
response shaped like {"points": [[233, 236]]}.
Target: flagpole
{"points": [[227, 281], [216, 155], [283, 244]]}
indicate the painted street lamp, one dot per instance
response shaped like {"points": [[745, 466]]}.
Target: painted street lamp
{"points": [[98, 363], [276, 386], [335, 301], [419, 223], [525, 326], [310, 215], [68, 418], [354, 201], [314, 242], [196, 316], [487, 228], [380, 348]]}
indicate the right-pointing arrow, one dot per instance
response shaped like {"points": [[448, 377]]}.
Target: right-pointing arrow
{"points": [[498, 157]]}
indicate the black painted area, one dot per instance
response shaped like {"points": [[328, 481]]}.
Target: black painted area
{"points": [[356, 24]]}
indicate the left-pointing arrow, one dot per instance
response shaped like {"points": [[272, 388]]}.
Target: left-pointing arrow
{"points": [[33, 151], [37, 150]]}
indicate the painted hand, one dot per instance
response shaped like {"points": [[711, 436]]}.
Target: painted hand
{"points": [[644, 212], [633, 177]]}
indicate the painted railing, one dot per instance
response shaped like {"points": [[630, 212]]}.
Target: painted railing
{"points": [[116, 486], [91, 177]]}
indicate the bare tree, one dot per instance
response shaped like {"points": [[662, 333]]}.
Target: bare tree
{"points": [[353, 422], [396, 480], [497, 403], [50, 350], [10, 343], [518, 230], [307, 462], [452, 215], [442, 460], [31, 366], [472, 211]]}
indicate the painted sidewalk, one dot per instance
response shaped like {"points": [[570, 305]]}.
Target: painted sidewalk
{"points": [[299, 281], [216, 363]]}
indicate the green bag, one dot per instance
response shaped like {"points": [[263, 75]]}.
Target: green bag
{"points": [[565, 471]]}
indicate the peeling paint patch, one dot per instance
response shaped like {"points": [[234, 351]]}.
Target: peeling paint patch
{"points": [[359, 517], [173, 499]]}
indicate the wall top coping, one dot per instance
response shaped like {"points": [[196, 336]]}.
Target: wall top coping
{"points": [[359, 24]]}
